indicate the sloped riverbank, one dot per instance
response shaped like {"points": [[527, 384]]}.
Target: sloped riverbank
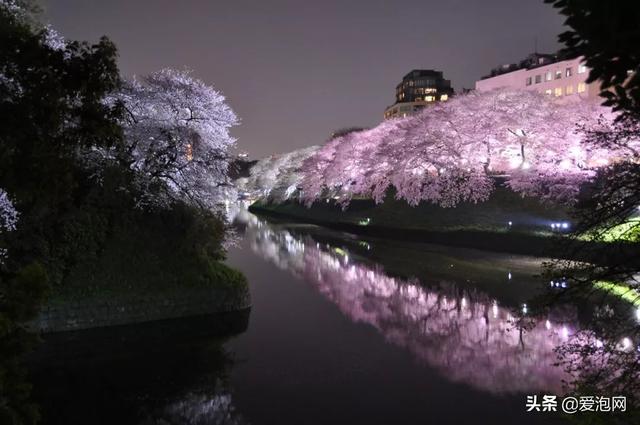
{"points": [[505, 223]]}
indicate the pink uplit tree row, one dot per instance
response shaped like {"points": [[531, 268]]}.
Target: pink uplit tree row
{"points": [[450, 152]]}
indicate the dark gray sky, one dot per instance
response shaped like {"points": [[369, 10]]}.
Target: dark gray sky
{"points": [[296, 70]]}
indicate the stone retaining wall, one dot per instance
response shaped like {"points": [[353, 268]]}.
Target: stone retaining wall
{"points": [[76, 315]]}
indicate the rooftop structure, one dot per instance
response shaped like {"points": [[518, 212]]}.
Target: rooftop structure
{"points": [[418, 89]]}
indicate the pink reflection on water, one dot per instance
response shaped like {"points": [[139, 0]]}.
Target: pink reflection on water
{"points": [[466, 335]]}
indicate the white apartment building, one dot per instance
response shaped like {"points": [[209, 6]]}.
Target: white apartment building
{"points": [[561, 79]]}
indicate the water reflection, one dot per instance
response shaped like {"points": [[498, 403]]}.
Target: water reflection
{"points": [[165, 372], [461, 331]]}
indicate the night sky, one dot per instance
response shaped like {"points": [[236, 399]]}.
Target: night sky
{"points": [[296, 70]]}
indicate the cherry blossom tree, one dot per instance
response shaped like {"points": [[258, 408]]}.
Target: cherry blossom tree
{"points": [[450, 152], [177, 134], [276, 177], [8, 213], [8, 219]]}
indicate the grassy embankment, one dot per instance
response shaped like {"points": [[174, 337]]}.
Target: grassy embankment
{"points": [[136, 254], [506, 222]]}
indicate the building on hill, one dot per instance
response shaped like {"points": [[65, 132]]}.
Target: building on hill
{"points": [[419, 88], [551, 74]]}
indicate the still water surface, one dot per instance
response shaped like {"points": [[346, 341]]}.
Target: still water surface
{"points": [[342, 331]]}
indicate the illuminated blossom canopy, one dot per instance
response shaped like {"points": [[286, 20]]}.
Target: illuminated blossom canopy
{"points": [[8, 218], [277, 176], [8, 214], [177, 132], [452, 151]]}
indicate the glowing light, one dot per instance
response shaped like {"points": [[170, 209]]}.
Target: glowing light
{"points": [[565, 332], [547, 324], [510, 223], [565, 225], [495, 310], [524, 309], [509, 276], [565, 164], [364, 222], [514, 162], [626, 343]]}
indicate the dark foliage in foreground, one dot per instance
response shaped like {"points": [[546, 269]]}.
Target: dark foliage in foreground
{"points": [[604, 359], [74, 211], [607, 34]]}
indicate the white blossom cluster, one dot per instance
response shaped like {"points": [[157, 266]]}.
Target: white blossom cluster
{"points": [[8, 219], [277, 176], [177, 132]]}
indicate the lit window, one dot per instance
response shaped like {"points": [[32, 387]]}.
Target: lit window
{"points": [[444, 97], [547, 76], [582, 87], [558, 91], [528, 81], [558, 74], [582, 68], [568, 90], [568, 72], [429, 98], [538, 79], [548, 92]]}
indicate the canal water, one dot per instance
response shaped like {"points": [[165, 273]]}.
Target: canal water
{"points": [[342, 331]]}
